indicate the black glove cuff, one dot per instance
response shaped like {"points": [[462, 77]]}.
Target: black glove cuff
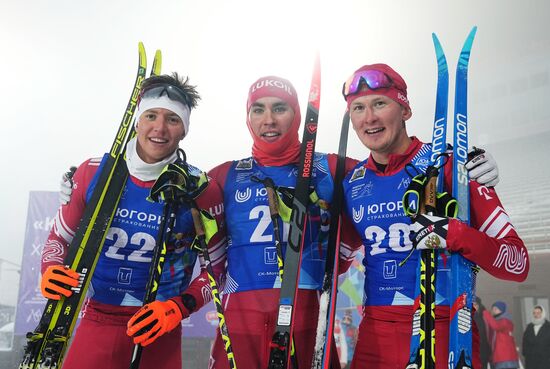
{"points": [[189, 302]]}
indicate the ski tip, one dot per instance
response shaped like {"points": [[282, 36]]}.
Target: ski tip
{"points": [[157, 63], [471, 35], [466, 48], [315, 89], [437, 44], [439, 54], [142, 55], [317, 68]]}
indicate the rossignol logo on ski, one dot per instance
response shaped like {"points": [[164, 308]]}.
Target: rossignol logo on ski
{"points": [[282, 341], [306, 172], [311, 127]]}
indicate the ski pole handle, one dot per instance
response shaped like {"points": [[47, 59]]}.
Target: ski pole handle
{"points": [[274, 212], [429, 205], [272, 198]]}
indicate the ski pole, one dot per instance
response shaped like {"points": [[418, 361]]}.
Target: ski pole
{"points": [[200, 218], [427, 276], [327, 302], [274, 212], [157, 263]]}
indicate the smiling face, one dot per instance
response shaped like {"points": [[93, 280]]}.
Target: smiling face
{"points": [[159, 132], [270, 118], [379, 122]]}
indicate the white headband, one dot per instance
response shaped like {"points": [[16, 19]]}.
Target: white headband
{"points": [[178, 108]]}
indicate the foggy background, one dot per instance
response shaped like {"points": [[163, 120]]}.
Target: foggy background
{"points": [[69, 66]]}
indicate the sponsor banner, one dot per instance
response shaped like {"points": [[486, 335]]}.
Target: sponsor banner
{"points": [[30, 303]]}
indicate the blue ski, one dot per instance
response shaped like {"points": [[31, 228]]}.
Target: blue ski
{"points": [[461, 292], [420, 337]]}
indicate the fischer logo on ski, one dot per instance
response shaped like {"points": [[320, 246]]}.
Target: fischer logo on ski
{"points": [[47, 344]]}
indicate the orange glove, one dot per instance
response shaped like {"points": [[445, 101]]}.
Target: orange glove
{"points": [[57, 280], [153, 320]]}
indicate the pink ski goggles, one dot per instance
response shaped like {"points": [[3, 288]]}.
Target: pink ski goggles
{"points": [[374, 79]]}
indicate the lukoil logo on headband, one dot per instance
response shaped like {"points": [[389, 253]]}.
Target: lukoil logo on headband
{"points": [[272, 83]]}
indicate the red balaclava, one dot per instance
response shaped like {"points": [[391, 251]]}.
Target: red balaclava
{"points": [[397, 92], [286, 149]]}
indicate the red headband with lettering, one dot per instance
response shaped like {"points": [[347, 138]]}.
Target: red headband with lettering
{"points": [[286, 149]]}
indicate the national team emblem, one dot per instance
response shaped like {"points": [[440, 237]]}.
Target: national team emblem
{"points": [[358, 174], [244, 164], [433, 241], [243, 196], [358, 214]]}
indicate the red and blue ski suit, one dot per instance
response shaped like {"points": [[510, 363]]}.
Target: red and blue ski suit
{"points": [[252, 285], [374, 203], [119, 281]]}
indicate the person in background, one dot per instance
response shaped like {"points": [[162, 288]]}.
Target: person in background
{"points": [[484, 346], [350, 334], [536, 341], [501, 337]]}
